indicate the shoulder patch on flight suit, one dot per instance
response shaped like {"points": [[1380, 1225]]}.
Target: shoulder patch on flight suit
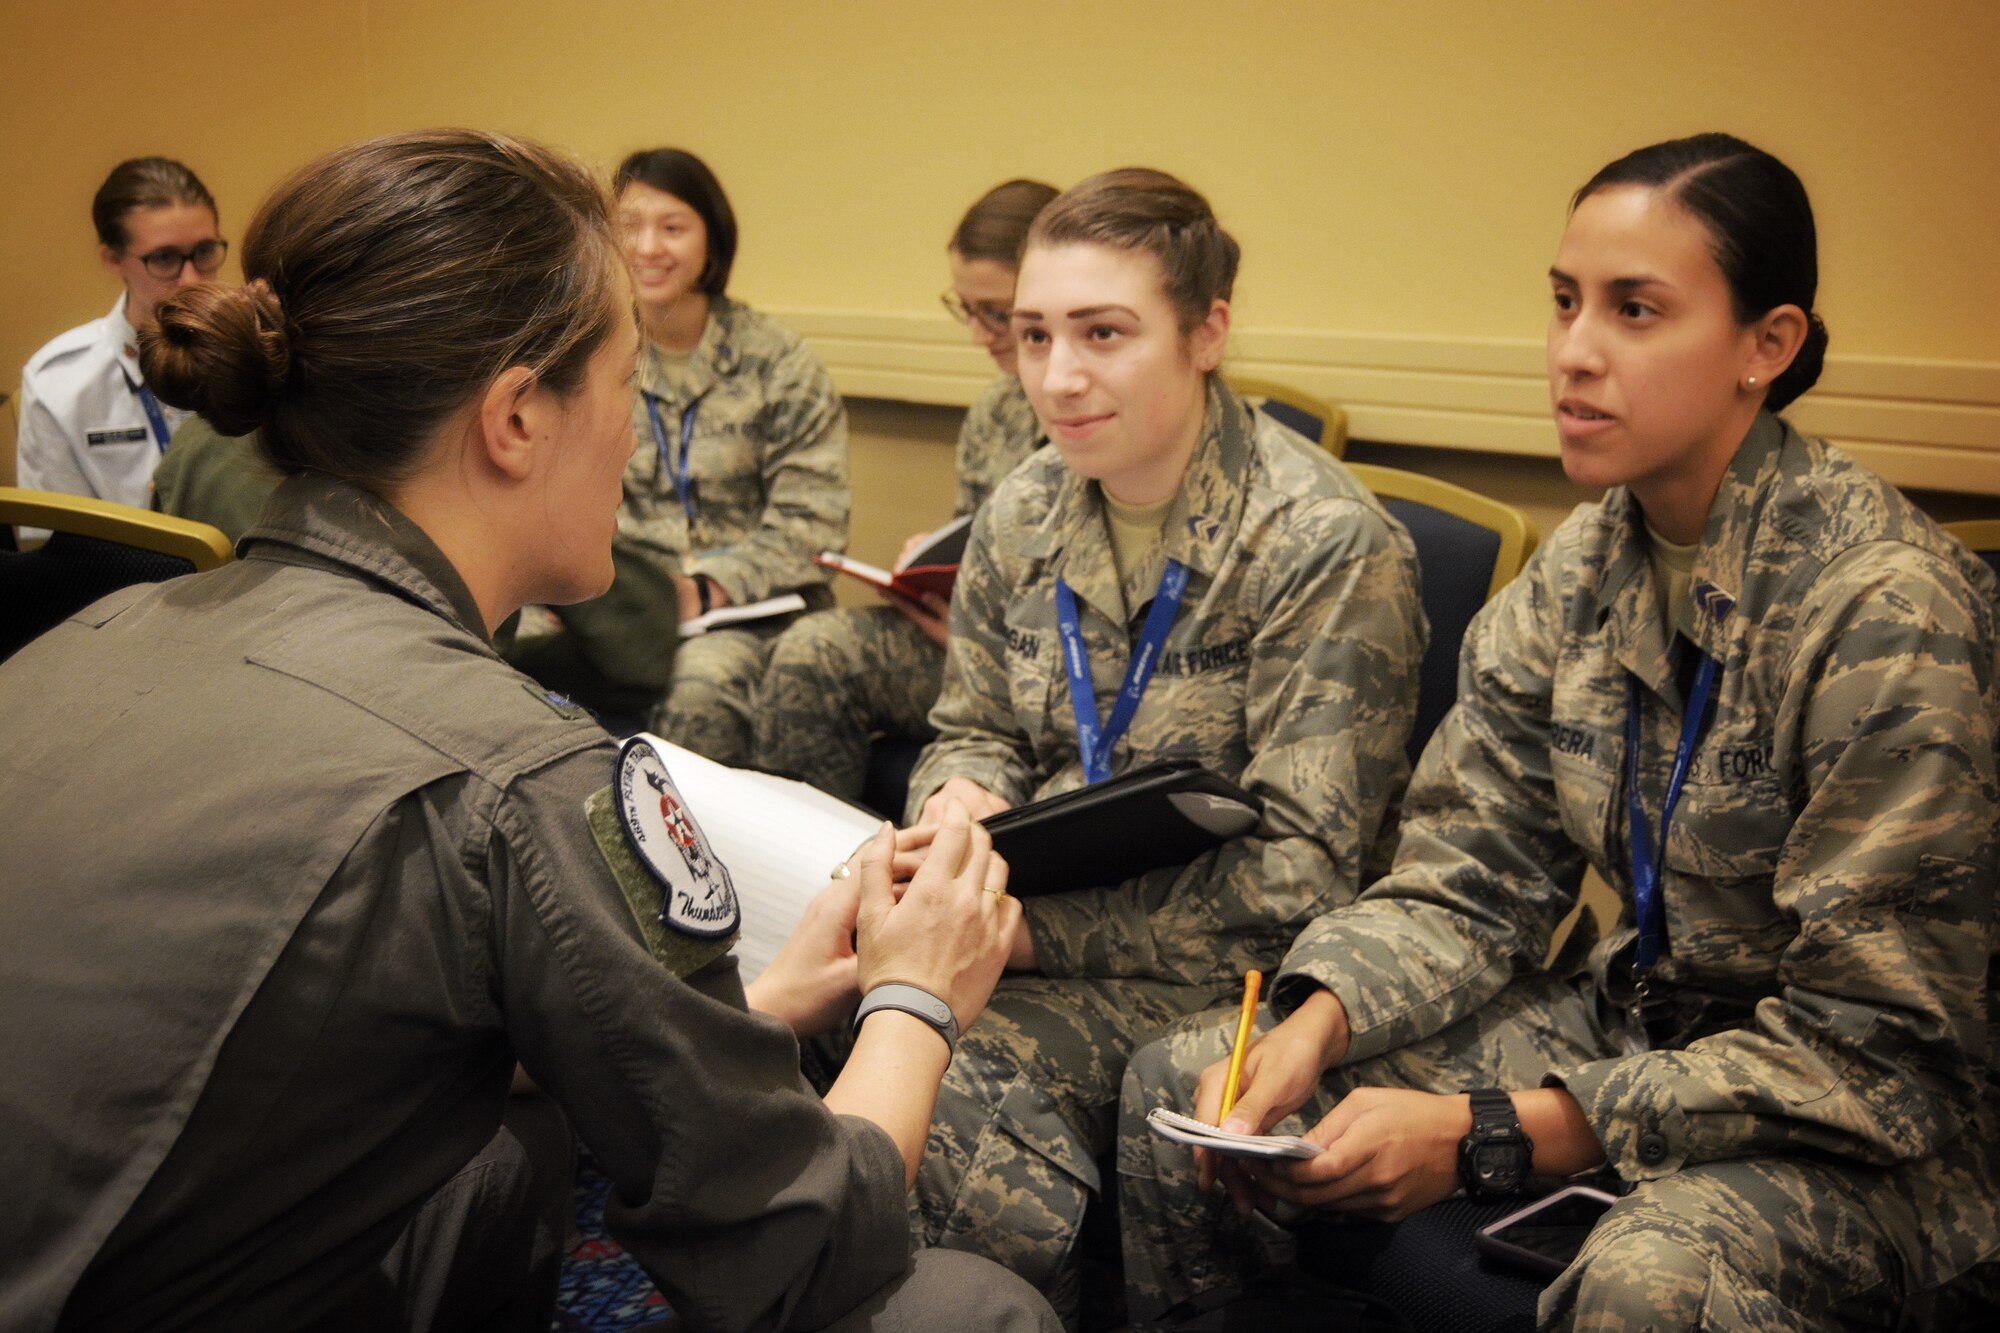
{"points": [[682, 955], [699, 898], [678, 891]]}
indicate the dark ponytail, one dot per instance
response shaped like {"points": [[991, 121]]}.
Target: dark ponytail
{"points": [[1760, 226]]}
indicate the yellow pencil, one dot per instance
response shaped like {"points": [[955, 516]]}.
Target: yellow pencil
{"points": [[1252, 980]]}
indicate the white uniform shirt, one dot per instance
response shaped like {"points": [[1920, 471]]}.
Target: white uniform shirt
{"points": [[84, 429]]}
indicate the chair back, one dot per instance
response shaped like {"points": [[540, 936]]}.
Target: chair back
{"points": [[95, 547], [1468, 548], [1322, 422], [1982, 537]]}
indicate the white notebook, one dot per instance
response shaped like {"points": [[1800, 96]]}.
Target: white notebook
{"points": [[737, 615]]}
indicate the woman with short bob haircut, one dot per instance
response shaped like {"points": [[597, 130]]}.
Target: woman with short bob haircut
{"points": [[740, 474], [261, 1014], [1754, 689], [1262, 609]]}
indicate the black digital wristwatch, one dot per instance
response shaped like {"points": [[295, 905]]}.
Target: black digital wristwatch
{"points": [[1493, 1159]]}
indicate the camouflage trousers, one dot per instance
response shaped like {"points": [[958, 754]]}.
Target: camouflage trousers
{"points": [[708, 708], [1028, 1107], [835, 681], [1766, 1243]]}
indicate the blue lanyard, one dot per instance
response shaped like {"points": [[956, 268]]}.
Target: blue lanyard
{"points": [[154, 415], [682, 487], [1646, 853], [1096, 745]]}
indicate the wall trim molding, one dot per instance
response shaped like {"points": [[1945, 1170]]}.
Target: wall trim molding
{"points": [[1928, 424]]}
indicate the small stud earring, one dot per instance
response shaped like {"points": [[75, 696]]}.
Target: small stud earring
{"points": [[1750, 383]]}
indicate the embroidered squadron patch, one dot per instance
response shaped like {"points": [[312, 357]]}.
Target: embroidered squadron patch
{"points": [[697, 897]]}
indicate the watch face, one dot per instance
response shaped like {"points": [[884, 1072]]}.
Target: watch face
{"points": [[1497, 1165]]}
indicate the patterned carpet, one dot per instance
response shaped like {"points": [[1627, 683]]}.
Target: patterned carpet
{"points": [[603, 1290]]}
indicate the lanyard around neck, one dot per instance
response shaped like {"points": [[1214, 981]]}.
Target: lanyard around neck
{"points": [[682, 486], [154, 415], [1094, 743], [1646, 853]]}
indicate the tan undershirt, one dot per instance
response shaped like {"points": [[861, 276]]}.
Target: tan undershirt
{"points": [[1673, 572], [673, 369], [1133, 530]]}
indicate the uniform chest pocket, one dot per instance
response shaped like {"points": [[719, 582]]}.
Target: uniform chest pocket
{"points": [[1195, 704], [1584, 790], [1032, 652], [1730, 827]]}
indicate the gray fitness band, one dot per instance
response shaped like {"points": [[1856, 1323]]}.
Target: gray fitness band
{"points": [[915, 1001]]}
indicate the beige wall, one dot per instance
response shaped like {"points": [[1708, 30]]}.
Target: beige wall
{"points": [[1397, 173]]}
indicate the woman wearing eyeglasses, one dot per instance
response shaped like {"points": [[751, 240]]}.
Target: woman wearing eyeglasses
{"points": [[838, 679], [89, 425]]}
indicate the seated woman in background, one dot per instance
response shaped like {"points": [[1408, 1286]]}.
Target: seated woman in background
{"points": [[840, 678], [89, 424], [257, 1021], [1754, 690], [740, 474], [1277, 605]]}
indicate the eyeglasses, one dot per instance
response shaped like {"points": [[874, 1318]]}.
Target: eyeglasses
{"points": [[166, 264], [992, 316]]}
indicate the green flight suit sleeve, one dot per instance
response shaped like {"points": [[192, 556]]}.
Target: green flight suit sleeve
{"points": [[750, 1204]]}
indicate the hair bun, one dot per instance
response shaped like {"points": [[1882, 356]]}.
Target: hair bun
{"points": [[220, 351]]}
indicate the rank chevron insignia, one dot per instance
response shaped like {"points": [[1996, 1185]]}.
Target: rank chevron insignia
{"points": [[1714, 600], [1204, 527]]}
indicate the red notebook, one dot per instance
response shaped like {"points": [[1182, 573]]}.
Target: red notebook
{"points": [[932, 568]]}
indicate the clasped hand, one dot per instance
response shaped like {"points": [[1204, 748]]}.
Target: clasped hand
{"points": [[925, 906]]}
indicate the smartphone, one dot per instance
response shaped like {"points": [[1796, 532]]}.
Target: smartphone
{"points": [[1545, 1235]]}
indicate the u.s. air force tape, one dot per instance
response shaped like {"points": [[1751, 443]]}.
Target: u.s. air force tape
{"points": [[696, 895]]}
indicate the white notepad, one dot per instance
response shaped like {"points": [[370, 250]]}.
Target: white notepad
{"points": [[1186, 1129]]}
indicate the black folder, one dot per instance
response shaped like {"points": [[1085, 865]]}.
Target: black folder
{"points": [[1163, 814]]}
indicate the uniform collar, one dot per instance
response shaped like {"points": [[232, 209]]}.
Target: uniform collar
{"points": [[344, 525], [1721, 564], [714, 356], [1197, 530], [123, 340]]}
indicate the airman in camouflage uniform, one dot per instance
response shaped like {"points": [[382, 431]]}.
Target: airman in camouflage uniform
{"points": [[768, 468], [839, 678], [1291, 669], [1808, 1128]]}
